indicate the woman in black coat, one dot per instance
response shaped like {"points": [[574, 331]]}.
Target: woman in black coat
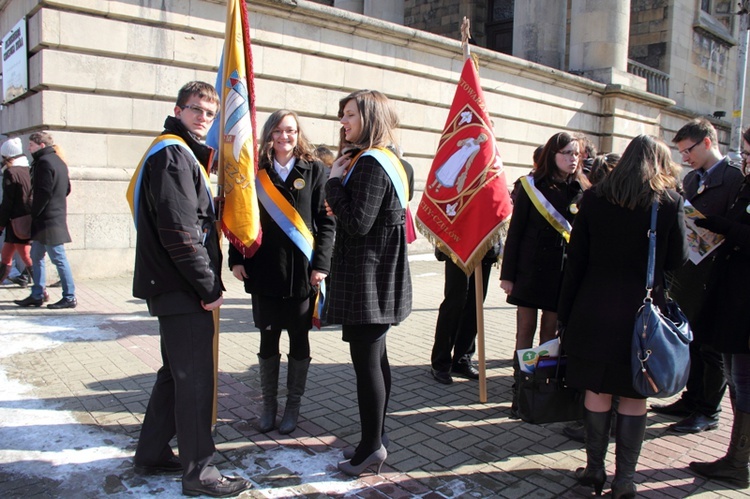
{"points": [[370, 280], [282, 276], [602, 289], [726, 313], [535, 247], [16, 205]]}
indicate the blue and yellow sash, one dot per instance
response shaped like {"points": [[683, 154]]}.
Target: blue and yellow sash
{"points": [[133, 193], [292, 224], [545, 208], [392, 167], [395, 171]]}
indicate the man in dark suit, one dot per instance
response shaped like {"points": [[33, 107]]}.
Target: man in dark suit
{"points": [[50, 186], [710, 187], [177, 272]]}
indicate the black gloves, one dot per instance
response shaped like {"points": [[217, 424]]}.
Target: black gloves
{"points": [[714, 223]]}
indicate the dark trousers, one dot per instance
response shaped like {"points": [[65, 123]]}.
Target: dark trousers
{"points": [[706, 383], [181, 401], [456, 327]]}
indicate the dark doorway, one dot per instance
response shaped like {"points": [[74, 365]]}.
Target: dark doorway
{"points": [[500, 26]]}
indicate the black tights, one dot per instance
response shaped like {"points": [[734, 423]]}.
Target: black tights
{"points": [[299, 343], [370, 359]]}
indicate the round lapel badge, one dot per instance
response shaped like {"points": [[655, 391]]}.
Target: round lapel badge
{"points": [[701, 189], [574, 209], [299, 184], [747, 209]]}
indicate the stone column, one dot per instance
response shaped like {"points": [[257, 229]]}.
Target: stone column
{"points": [[539, 32], [599, 32]]}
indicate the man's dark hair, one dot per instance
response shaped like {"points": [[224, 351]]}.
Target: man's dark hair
{"points": [[42, 138], [697, 130], [204, 90]]}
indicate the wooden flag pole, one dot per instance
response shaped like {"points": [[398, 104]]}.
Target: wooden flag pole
{"points": [[479, 295], [219, 213], [478, 278]]}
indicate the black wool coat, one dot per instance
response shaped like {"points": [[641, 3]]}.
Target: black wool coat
{"points": [[50, 186], [279, 269], [533, 254], [370, 280], [726, 312], [16, 199], [605, 275], [689, 282]]}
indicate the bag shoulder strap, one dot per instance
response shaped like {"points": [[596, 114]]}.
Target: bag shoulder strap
{"points": [[651, 251]]}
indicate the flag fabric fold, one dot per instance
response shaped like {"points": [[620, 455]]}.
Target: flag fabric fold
{"points": [[466, 205], [233, 134]]}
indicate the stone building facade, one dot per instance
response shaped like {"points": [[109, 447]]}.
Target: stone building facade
{"points": [[103, 75]]}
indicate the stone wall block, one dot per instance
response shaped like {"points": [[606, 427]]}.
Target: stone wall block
{"points": [[107, 230]]}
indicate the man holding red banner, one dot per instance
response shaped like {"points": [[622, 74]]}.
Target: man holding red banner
{"points": [[463, 211]]}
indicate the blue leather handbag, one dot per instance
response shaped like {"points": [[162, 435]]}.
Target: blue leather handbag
{"points": [[661, 340]]}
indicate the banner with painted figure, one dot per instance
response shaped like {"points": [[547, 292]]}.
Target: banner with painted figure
{"points": [[466, 204], [233, 134]]}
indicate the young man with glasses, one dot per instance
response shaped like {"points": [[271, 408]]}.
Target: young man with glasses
{"points": [[711, 187], [177, 272]]}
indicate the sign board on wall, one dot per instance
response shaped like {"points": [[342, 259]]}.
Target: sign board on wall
{"points": [[15, 62]]}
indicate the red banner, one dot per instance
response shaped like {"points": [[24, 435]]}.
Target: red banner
{"points": [[466, 203]]}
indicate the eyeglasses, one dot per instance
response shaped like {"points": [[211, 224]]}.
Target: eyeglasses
{"points": [[289, 131], [744, 153], [685, 152], [199, 111], [570, 154]]}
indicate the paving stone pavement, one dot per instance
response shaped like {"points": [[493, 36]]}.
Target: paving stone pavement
{"points": [[76, 384]]}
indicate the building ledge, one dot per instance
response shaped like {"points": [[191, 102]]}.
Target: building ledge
{"points": [[712, 27]]}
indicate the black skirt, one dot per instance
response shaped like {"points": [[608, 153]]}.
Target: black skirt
{"points": [[601, 377], [283, 313]]}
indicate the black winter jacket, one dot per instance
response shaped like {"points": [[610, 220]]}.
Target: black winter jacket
{"points": [[177, 249], [279, 269]]}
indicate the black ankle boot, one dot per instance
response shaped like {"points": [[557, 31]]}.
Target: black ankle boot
{"points": [[629, 439], [596, 429]]}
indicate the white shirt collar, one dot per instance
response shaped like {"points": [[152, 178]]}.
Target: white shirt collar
{"points": [[284, 170]]}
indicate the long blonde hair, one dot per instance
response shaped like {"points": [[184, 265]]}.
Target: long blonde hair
{"points": [[643, 174]]}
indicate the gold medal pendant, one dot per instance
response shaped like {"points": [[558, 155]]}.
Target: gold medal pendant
{"points": [[299, 184], [573, 209]]}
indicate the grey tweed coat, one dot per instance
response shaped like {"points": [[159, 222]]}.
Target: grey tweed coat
{"points": [[370, 280]]}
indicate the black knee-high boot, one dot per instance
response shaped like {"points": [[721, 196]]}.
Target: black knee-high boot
{"points": [[733, 467], [269, 385], [629, 439], [296, 379], [596, 428]]}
